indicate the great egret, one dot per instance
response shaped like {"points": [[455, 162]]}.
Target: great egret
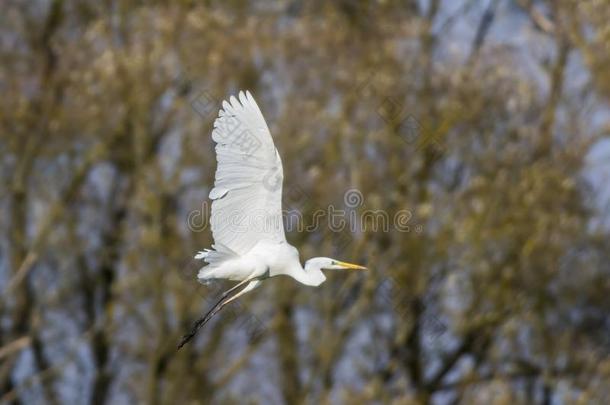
{"points": [[249, 241]]}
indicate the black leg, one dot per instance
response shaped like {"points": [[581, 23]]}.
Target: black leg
{"points": [[217, 307]]}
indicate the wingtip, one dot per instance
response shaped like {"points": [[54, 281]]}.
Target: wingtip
{"points": [[234, 102], [243, 97]]}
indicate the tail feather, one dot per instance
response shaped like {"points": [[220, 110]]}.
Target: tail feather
{"points": [[218, 254], [214, 258]]}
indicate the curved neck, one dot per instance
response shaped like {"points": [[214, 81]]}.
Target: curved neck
{"points": [[310, 275]]}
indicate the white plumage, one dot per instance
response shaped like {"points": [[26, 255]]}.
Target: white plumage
{"points": [[249, 240]]}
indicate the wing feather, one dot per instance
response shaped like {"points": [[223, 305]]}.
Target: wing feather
{"points": [[247, 193]]}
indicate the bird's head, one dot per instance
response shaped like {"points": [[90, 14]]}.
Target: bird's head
{"points": [[326, 263]]}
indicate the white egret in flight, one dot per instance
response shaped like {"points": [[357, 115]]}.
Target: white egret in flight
{"points": [[249, 241]]}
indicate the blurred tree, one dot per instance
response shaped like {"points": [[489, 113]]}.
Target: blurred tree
{"points": [[474, 118]]}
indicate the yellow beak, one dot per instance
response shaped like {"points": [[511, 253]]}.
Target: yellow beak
{"points": [[351, 266]]}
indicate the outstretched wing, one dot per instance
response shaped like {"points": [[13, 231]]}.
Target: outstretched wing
{"points": [[247, 193]]}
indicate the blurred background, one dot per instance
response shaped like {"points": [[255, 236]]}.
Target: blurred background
{"points": [[486, 121]]}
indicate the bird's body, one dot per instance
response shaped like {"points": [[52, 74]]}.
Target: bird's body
{"points": [[266, 259], [247, 226], [263, 260]]}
